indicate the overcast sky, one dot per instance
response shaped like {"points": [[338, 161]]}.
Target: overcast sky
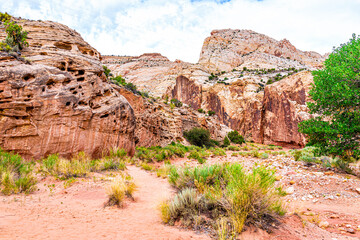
{"points": [[177, 28]]}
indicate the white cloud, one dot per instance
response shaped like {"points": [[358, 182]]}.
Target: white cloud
{"points": [[177, 28]]}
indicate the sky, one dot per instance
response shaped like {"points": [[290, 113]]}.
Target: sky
{"points": [[177, 28]]}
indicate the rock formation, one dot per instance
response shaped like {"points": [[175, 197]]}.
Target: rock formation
{"points": [[255, 84], [284, 106], [158, 124], [227, 49], [150, 72], [61, 101]]}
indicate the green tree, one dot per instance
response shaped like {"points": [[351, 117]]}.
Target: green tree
{"points": [[336, 94], [15, 39]]}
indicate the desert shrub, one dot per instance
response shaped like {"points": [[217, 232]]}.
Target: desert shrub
{"points": [[211, 113], [226, 142], [199, 137], [131, 87], [200, 110], [119, 80], [183, 206], [157, 153], [218, 152], [4, 17], [15, 39], [255, 154], [176, 102], [147, 167], [164, 170], [226, 192], [64, 168], [233, 148], [117, 153], [106, 71], [120, 188], [306, 154], [16, 175], [235, 137], [264, 155]]}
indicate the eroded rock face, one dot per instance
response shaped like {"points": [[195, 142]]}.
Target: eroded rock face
{"points": [[269, 117], [284, 106], [61, 102], [158, 124], [150, 72], [227, 49]]}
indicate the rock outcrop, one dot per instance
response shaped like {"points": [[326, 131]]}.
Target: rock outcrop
{"points": [[150, 72], [227, 49], [284, 106], [158, 124], [60, 100]]}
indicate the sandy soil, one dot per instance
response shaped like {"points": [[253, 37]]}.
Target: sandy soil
{"points": [[77, 212]]}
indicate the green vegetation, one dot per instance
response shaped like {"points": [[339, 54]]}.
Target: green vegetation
{"points": [[16, 176], [159, 154], [309, 155], [336, 95], [106, 71], [176, 102], [199, 137], [210, 113], [81, 165], [4, 17], [226, 142], [120, 188], [119, 80], [223, 194], [15, 39], [200, 110], [235, 137]]}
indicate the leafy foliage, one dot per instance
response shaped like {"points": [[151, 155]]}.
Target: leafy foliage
{"points": [[235, 137], [106, 71], [211, 113], [4, 17], [15, 39], [226, 142], [336, 95], [199, 137]]}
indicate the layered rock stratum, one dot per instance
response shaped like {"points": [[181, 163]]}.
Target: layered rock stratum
{"points": [[255, 84]]}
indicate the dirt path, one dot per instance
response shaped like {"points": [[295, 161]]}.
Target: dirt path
{"points": [[77, 212]]}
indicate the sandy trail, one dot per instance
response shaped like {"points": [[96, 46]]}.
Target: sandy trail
{"points": [[77, 212]]}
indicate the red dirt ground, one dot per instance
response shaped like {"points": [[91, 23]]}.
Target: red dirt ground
{"points": [[77, 212]]}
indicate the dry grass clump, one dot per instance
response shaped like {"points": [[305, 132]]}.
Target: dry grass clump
{"points": [[226, 195], [16, 175], [120, 188], [81, 164]]}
